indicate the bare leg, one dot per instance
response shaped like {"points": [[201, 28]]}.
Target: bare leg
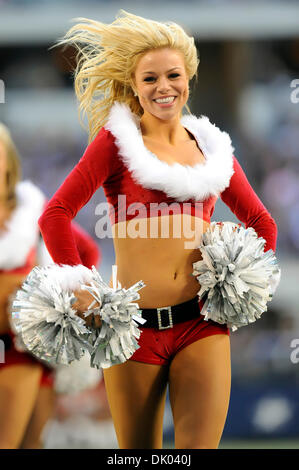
{"points": [[199, 391], [42, 412], [136, 393], [19, 386]]}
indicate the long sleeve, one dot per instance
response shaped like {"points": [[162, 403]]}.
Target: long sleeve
{"points": [[88, 249], [88, 175], [248, 208]]}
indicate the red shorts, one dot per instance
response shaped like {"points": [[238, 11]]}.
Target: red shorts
{"points": [[160, 346], [12, 357]]}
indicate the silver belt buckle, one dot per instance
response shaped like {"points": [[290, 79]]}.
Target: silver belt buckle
{"points": [[169, 317]]}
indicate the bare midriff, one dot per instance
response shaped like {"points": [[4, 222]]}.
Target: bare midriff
{"points": [[164, 262], [9, 284]]}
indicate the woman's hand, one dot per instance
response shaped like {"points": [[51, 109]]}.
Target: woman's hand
{"points": [[84, 299], [212, 228]]}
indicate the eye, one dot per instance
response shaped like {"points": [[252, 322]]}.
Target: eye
{"points": [[151, 79]]}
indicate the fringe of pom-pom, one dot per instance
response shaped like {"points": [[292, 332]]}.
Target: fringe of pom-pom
{"points": [[51, 329], [235, 274], [116, 340]]}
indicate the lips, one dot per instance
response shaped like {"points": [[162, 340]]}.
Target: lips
{"points": [[164, 97], [165, 103]]}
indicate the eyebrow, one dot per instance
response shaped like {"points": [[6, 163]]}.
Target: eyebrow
{"points": [[178, 67]]}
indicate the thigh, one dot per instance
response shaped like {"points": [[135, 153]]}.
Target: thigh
{"points": [[19, 386], [42, 412], [199, 391], [136, 394]]}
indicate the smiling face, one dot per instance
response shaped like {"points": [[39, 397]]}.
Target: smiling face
{"points": [[161, 83]]}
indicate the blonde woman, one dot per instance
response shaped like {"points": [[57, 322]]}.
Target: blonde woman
{"points": [[132, 80], [26, 385]]}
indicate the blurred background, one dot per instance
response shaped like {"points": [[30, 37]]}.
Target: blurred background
{"points": [[248, 86]]}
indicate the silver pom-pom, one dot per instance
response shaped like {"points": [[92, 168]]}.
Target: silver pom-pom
{"points": [[18, 341], [76, 377], [235, 274], [44, 317], [51, 329], [116, 340]]}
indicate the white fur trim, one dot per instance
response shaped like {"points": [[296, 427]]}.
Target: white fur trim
{"points": [[178, 181], [21, 232], [70, 277]]}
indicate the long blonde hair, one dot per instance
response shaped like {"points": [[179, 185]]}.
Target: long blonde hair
{"points": [[108, 55], [13, 173]]}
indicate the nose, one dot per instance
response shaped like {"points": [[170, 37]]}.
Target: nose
{"points": [[163, 85]]}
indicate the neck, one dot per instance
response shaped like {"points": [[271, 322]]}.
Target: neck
{"points": [[168, 131]]}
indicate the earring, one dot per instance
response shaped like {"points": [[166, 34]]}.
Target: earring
{"points": [[135, 94]]}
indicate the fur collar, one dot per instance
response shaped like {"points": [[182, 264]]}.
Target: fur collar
{"points": [[181, 182], [21, 232]]}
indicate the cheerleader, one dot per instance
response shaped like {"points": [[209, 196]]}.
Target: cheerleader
{"points": [[132, 80], [26, 385]]}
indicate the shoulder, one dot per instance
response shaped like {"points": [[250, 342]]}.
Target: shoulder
{"points": [[104, 138], [211, 136], [217, 147], [101, 149], [123, 126]]}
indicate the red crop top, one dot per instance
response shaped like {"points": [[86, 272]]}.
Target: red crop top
{"points": [[136, 182]]}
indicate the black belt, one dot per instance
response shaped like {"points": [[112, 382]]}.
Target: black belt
{"points": [[6, 340], [165, 317]]}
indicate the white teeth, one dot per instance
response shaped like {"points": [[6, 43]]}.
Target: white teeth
{"points": [[165, 100]]}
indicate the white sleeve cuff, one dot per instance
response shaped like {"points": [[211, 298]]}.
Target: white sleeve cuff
{"points": [[70, 277]]}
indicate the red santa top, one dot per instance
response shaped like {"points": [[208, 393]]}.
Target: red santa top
{"points": [[134, 180]]}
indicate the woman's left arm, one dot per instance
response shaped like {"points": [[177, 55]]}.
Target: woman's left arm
{"points": [[248, 208], [89, 251]]}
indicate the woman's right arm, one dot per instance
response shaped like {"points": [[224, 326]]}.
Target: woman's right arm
{"points": [[240, 197], [92, 170]]}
